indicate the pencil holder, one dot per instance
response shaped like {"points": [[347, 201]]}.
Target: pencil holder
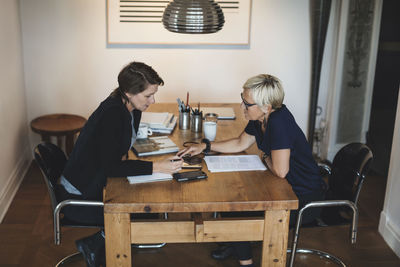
{"points": [[184, 120], [196, 123]]}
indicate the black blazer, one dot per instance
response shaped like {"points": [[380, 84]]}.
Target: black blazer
{"points": [[98, 153]]}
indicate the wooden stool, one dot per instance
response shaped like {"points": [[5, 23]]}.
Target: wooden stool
{"points": [[59, 125]]}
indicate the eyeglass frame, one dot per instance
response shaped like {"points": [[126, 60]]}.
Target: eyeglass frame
{"points": [[246, 104]]}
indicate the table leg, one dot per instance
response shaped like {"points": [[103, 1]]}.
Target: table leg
{"points": [[59, 141], [69, 143], [45, 137], [276, 230], [117, 227]]}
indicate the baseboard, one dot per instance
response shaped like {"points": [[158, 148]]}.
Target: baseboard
{"points": [[390, 233], [14, 181]]}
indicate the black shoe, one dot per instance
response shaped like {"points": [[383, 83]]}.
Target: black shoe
{"points": [[223, 252], [92, 249]]}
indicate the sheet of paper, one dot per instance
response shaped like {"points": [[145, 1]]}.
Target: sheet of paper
{"points": [[234, 163], [155, 177], [155, 119]]}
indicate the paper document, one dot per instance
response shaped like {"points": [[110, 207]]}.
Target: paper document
{"points": [[154, 119], [155, 177], [159, 122], [234, 163]]}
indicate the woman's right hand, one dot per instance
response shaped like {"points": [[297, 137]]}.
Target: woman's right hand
{"points": [[170, 165]]}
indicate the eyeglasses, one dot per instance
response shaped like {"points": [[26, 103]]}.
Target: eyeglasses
{"points": [[246, 104]]}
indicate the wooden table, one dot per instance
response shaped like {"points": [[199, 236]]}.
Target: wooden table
{"points": [[233, 191], [59, 125]]}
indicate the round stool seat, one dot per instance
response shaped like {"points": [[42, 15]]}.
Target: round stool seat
{"points": [[59, 125]]}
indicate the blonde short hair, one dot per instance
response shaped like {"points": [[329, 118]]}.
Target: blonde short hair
{"points": [[266, 89]]}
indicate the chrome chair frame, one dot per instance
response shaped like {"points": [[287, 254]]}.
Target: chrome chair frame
{"points": [[57, 207], [69, 202], [326, 255], [56, 223], [352, 204]]}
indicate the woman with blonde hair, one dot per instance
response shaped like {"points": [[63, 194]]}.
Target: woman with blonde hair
{"points": [[287, 153]]}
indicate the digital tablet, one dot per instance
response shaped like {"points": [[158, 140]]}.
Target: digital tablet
{"points": [[189, 176]]}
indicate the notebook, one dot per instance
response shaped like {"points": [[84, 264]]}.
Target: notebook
{"points": [[155, 177], [224, 113], [154, 146], [159, 122]]}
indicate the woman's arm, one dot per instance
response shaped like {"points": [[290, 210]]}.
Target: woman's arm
{"points": [[233, 145], [278, 162], [109, 134]]}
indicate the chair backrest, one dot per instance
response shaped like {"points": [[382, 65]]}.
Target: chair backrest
{"points": [[349, 167], [51, 160]]}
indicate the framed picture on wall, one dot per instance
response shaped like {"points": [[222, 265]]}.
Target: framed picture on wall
{"points": [[140, 22]]}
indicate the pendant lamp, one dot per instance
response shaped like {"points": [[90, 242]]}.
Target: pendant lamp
{"points": [[193, 16]]}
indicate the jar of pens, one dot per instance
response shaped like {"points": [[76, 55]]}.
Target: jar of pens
{"points": [[184, 113], [197, 120], [190, 118]]}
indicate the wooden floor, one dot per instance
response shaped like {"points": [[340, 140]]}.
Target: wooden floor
{"points": [[26, 236]]}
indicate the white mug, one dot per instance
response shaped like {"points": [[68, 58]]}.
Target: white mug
{"points": [[144, 131], [210, 130]]}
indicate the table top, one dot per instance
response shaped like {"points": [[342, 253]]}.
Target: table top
{"points": [[229, 191], [58, 124]]}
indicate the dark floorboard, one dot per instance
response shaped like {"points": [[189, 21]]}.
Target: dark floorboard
{"points": [[26, 236]]}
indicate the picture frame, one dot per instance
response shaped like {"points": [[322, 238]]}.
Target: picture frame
{"points": [[140, 22]]}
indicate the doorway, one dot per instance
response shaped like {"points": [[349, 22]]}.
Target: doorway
{"points": [[386, 88]]}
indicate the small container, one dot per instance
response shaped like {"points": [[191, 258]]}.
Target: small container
{"points": [[184, 120], [197, 123], [210, 126], [211, 117]]}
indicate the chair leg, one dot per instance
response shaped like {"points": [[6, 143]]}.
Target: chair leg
{"points": [[73, 257], [326, 203], [149, 245], [321, 254]]}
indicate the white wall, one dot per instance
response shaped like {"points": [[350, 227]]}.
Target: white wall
{"points": [[389, 224], [14, 148], [69, 68]]}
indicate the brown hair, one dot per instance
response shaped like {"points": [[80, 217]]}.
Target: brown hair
{"points": [[134, 79]]}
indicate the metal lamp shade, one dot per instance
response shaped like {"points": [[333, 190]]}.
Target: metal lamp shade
{"points": [[193, 16]]}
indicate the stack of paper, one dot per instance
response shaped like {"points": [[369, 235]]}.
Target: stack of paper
{"points": [[234, 163], [155, 177], [159, 122], [154, 146]]}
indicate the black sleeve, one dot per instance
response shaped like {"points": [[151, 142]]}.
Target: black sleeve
{"points": [[110, 144], [250, 128]]}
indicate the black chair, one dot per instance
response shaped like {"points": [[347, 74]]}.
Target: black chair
{"points": [[345, 178], [51, 160]]}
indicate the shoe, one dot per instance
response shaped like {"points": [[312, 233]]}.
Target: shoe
{"points": [[92, 249], [223, 252]]}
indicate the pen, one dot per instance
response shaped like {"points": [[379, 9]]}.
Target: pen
{"points": [[181, 105], [173, 160], [172, 118], [187, 100]]}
